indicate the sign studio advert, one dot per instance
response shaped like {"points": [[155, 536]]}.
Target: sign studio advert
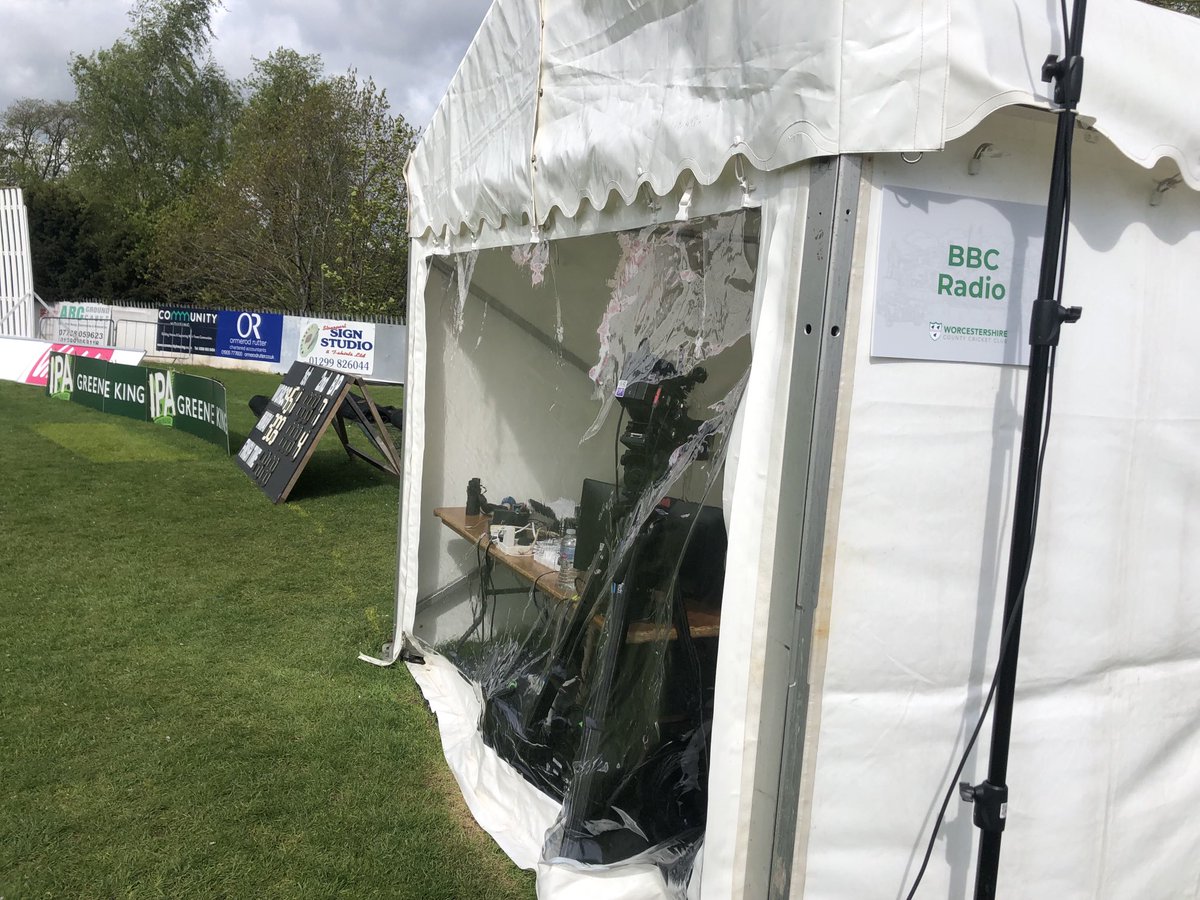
{"points": [[339, 345]]}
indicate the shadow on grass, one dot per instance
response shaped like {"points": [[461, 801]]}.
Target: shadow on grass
{"points": [[327, 474]]}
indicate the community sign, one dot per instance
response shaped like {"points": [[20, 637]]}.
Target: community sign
{"points": [[220, 332], [184, 331]]}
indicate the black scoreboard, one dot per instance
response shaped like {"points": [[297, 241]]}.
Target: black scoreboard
{"points": [[281, 443]]}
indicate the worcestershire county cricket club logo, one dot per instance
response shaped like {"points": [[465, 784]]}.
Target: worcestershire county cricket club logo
{"points": [[935, 330]]}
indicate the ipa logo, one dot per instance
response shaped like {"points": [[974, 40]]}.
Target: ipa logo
{"points": [[162, 398], [61, 381], [935, 330]]}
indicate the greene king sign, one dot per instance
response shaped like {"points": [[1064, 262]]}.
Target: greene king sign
{"points": [[185, 402], [955, 277]]}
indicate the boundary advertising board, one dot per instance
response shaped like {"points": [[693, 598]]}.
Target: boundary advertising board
{"points": [[27, 361], [187, 331], [83, 323], [249, 335], [220, 332], [337, 344], [186, 402]]}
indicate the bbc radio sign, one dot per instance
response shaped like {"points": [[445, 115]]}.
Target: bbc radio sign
{"points": [[956, 277]]}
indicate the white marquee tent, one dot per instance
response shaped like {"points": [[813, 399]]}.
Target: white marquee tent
{"points": [[829, 160]]}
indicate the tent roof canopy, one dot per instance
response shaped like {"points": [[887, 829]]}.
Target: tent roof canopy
{"points": [[557, 104]]}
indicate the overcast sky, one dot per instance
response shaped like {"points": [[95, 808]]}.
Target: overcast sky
{"points": [[410, 47]]}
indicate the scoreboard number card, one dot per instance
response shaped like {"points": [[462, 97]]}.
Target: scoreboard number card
{"points": [[309, 399]]}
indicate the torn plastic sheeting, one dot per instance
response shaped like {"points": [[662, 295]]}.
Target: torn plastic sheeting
{"points": [[464, 266], [602, 699], [681, 293], [511, 810]]}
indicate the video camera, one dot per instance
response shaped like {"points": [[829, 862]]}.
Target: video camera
{"points": [[658, 424]]}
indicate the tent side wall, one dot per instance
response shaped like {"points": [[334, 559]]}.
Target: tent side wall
{"points": [[498, 391], [887, 566], [811, 209], [1101, 785]]}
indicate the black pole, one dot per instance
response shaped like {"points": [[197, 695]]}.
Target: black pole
{"points": [[991, 797]]}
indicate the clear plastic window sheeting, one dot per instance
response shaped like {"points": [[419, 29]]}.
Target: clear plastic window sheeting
{"points": [[597, 679]]}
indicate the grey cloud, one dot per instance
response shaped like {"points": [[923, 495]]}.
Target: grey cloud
{"points": [[37, 39], [410, 48]]}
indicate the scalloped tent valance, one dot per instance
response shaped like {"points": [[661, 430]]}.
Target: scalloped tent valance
{"points": [[557, 103]]}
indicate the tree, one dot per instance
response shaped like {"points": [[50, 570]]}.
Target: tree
{"points": [[154, 109], [36, 140], [369, 269], [308, 217], [81, 248], [1187, 7]]}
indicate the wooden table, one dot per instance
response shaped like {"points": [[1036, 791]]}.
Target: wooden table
{"points": [[701, 623], [475, 530]]}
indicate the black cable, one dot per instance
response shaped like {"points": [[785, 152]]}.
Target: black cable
{"points": [[492, 622], [489, 588], [479, 570], [477, 620], [533, 589], [543, 613], [1009, 631], [617, 454]]}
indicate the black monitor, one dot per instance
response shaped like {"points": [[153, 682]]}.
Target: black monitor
{"points": [[701, 532], [703, 566], [595, 520]]}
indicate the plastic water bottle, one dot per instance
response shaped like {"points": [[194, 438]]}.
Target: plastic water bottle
{"points": [[566, 560]]}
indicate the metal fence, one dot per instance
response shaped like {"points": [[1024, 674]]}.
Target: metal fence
{"points": [[312, 314], [138, 334], [88, 330]]}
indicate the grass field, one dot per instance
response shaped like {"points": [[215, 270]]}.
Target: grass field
{"points": [[181, 710]]}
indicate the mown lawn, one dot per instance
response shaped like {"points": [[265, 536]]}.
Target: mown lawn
{"points": [[181, 710]]}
